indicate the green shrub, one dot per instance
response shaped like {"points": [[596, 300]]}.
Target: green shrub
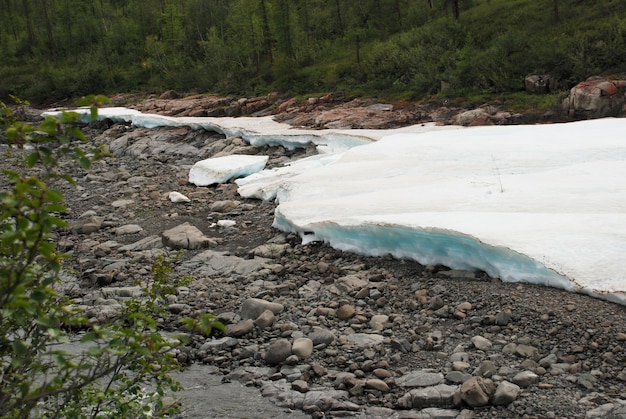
{"points": [[121, 357]]}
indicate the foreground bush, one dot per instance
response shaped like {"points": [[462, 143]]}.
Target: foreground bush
{"points": [[121, 359]]}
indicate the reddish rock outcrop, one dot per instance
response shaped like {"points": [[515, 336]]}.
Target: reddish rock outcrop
{"points": [[596, 97]]}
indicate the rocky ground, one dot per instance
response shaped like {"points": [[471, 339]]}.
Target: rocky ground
{"points": [[326, 332]]}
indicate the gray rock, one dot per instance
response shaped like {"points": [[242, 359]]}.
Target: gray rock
{"points": [[86, 225], [525, 379], [420, 379], [377, 322], [457, 377], [547, 361], [271, 250], [148, 243], [302, 347], [476, 392], [526, 351], [346, 312], [436, 303], [265, 319], [253, 307], [278, 352], [363, 340], [503, 318], [324, 336], [481, 343], [485, 369], [315, 401], [587, 381], [186, 236], [122, 203], [540, 83], [615, 409], [349, 283], [506, 393], [224, 206], [178, 308], [128, 229], [377, 384], [441, 395], [309, 289], [211, 263], [240, 329], [122, 292], [219, 344], [300, 386]]}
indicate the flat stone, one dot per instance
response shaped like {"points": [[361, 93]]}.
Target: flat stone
{"points": [[240, 329], [253, 307], [148, 243], [441, 395], [122, 203], [350, 283], [219, 344], [271, 250], [457, 377], [526, 351], [128, 229], [365, 339], [186, 236], [420, 379]]}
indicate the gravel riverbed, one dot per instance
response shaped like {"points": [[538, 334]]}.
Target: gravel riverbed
{"points": [[321, 332]]}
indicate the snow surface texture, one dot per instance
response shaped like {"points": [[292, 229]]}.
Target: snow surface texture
{"points": [[222, 169], [542, 204]]}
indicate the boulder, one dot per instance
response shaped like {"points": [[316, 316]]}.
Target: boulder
{"points": [[596, 97], [186, 236], [540, 83]]}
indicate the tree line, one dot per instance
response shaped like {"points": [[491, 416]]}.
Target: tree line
{"points": [[65, 48]]}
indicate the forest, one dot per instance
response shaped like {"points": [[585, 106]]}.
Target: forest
{"points": [[52, 50]]}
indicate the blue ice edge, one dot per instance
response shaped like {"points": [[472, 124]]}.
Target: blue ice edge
{"points": [[436, 246]]}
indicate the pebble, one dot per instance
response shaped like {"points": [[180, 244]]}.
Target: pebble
{"points": [[346, 312]]}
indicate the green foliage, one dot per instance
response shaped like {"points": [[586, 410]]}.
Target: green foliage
{"points": [[58, 50], [205, 324], [45, 371]]}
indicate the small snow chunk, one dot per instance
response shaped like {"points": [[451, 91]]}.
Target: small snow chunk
{"points": [[226, 223], [221, 169], [177, 197]]}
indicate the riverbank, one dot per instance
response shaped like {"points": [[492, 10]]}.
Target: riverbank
{"points": [[322, 331]]}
